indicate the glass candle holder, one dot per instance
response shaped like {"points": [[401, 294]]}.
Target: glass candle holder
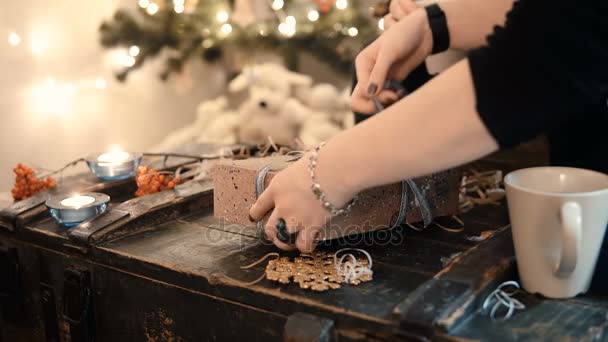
{"points": [[71, 210], [114, 165]]}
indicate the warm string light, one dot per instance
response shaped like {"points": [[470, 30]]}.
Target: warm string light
{"points": [[277, 4], [313, 15], [178, 6], [287, 25], [290, 20], [14, 39], [127, 60], [341, 4], [288, 28], [152, 8], [222, 16], [134, 50], [226, 29]]}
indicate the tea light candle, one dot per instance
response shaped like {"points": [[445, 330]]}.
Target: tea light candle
{"points": [[78, 201], [69, 211], [114, 165], [113, 157]]}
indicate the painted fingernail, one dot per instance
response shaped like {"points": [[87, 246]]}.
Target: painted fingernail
{"points": [[371, 90]]}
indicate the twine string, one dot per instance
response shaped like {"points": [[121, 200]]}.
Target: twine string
{"points": [[502, 297], [272, 254], [351, 269], [245, 267]]}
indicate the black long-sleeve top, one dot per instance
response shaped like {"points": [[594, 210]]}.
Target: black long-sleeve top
{"points": [[546, 71]]}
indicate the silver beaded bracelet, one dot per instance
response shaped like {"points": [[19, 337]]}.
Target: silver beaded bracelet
{"points": [[316, 187]]}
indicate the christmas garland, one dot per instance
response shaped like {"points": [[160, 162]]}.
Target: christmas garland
{"points": [[332, 30]]}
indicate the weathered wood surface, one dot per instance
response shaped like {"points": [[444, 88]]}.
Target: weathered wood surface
{"points": [[138, 213], [204, 255], [198, 252], [31, 209], [544, 320]]}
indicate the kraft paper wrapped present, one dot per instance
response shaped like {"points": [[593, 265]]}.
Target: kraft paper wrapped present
{"points": [[377, 208]]}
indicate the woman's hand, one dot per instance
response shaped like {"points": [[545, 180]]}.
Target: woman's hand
{"points": [[392, 56], [398, 10], [290, 197]]}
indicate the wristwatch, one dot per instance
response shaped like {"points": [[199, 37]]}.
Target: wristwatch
{"points": [[439, 28]]}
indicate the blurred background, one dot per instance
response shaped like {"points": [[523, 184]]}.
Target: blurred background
{"points": [[86, 76]]}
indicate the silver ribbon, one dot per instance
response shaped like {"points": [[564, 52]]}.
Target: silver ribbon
{"points": [[423, 204], [260, 179]]}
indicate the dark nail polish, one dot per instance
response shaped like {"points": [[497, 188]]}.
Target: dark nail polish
{"points": [[371, 90]]}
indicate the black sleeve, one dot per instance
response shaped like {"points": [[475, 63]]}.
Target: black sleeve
{"points": [[548, 63]]}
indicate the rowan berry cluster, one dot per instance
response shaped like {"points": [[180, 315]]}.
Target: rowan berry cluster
{"points": [[150, 181], [27, 184]]}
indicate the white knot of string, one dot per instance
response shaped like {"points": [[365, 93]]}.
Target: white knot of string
{"points": [[348, 266], [502, 298]]}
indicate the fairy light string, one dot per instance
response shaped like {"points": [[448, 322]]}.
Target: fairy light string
{"points": [[334, 33]]}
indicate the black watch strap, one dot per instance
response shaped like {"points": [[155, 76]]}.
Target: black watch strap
{"points": [[439, 28]]}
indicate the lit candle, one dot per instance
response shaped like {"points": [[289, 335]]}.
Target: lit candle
{"points": [[113, 157], [77, 201], [72, 210], [114, 165]]}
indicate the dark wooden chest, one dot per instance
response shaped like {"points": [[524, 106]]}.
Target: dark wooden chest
{"points": [[161, 268]]}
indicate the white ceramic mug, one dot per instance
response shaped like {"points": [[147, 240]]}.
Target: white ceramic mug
{"points": [[558, 219]]}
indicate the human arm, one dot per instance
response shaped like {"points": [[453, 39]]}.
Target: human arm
{"points": [[469, 21], [398, 51], [536, 73], [416, 136]]}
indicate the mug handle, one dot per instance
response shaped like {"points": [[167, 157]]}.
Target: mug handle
{"points": [[572, 221]]}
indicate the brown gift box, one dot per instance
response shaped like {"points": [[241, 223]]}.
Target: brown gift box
{"points": [[377, 208]]}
